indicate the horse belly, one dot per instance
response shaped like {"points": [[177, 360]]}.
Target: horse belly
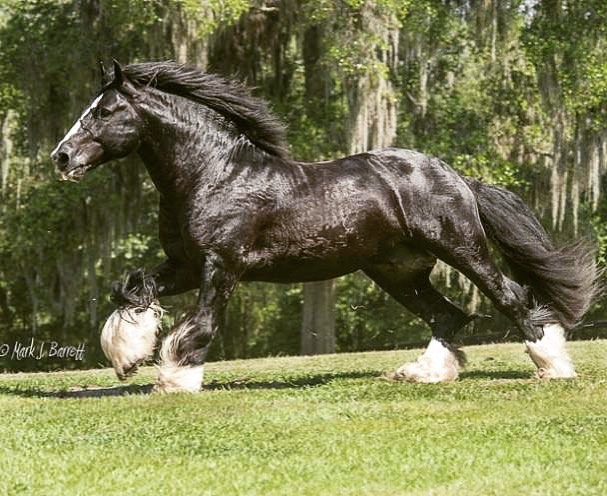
{"points": [[330, 236], [308, 258], [301, 270]]}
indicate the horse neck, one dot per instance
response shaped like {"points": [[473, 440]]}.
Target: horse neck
{"points": [[184, 144]]}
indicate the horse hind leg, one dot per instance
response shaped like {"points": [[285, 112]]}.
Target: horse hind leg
{"points": [[442, 360], [545, 338]]}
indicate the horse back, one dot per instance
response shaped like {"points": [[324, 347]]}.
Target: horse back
{"points": [[309, 221], [339, 215]]}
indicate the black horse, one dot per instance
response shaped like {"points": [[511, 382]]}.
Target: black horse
{"points": [[234, 207]]}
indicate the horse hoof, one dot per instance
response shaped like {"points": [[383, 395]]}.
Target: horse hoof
{"points": [[421, 371], [550, 354], [128, 338], [175, 379], [556, 373], [128, 371], [439, 363], [389, 377]]}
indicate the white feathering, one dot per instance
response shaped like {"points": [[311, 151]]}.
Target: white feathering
{"points": [[437, 364], [128, 337], [175, 379], [172, 376], [550, 354]]}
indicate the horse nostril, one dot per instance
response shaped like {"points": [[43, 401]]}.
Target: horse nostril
{"points": [[62, 159]]}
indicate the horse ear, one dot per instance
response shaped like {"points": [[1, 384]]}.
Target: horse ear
{"points": [[103, 72], [118, 76], [121, 81]]}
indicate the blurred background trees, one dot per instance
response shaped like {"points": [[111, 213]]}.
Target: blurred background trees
{"points": [[512, 92]]}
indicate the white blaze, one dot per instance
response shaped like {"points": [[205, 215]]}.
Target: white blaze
{"points": [[76, 127]]}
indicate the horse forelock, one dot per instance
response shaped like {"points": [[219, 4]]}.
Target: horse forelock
{"points": [[231, 99]]}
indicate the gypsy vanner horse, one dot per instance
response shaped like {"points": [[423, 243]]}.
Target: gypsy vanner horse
{"points": [[234, 207]]}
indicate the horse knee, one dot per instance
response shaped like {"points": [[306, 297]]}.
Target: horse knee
{"points": [[136, 290]]}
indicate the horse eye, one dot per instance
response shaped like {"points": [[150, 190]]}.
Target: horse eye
{"points": [[104, 112]]}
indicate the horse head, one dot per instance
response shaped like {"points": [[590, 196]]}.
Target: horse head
{"points": [[109, 128]]}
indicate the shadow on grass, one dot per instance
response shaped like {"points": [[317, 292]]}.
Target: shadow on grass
{"points": [[84, 392], [495, 374], [242, 383], [290, 383]]}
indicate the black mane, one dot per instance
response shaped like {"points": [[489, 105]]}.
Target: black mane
{"points": [[230, 98]]}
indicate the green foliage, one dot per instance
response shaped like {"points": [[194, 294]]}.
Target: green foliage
{"points": [[570, 39], [212, 14], [477, 83], [369, 319], [263, 319], [62, 245]]}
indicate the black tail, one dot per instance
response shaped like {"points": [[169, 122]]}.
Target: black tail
{"points": [[563, 281]]}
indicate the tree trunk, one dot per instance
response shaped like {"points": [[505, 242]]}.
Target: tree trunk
{"points": [[371, 124], [318, 324], [318, 327]]}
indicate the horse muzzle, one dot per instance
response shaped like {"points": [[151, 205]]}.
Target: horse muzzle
{"points": [[72, 164]]}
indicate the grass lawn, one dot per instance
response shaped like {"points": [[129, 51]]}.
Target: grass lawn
{"points": [[311, 426]]}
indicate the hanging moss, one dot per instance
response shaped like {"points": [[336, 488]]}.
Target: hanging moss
{"points": [[514, 93]]}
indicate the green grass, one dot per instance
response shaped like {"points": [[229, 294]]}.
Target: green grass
{"points": [[311, 426]]}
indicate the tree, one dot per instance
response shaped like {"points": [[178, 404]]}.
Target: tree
{"points": [[511, 92]]}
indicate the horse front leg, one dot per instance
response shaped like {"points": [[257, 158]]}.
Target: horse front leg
{"points": [[185, 349], [129, 335], [141, 288]]}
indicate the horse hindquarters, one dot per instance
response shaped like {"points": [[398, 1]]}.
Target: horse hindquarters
{"points": [[440, 216], [462, 243]]}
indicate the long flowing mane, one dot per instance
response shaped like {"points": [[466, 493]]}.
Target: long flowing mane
{"points": [[231, 99]]}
